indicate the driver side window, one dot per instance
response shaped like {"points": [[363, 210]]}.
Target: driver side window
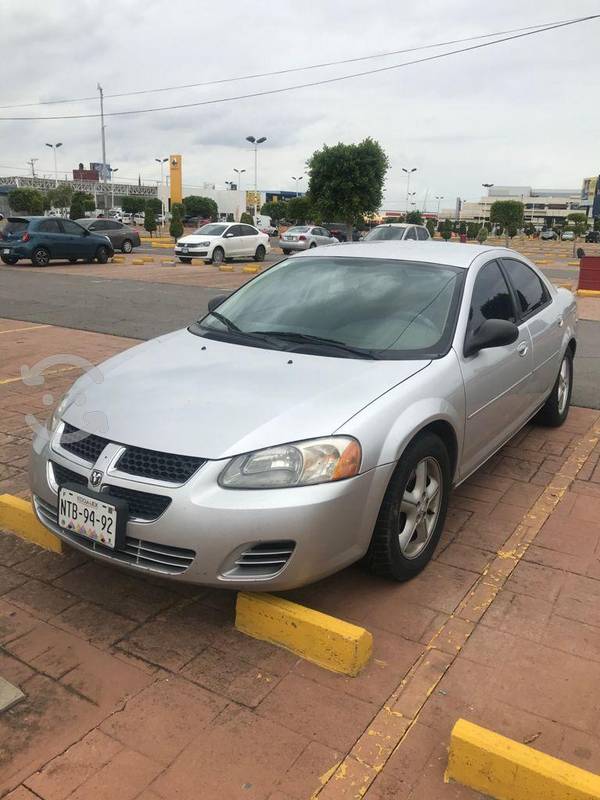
{"points": [[235, 230], [491, 298], [411, 234]]}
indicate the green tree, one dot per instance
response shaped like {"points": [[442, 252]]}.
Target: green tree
{"points": [[579, 223], [431, 227], [472, 229], [414, 218], [26, 201], [446, 230], [346, 180], [508, 214], [299, 209], [176, 226], [150, 219], [482, 234], [276, 210], [529, 229], [201, 206], [155, 204], [132, 204], [462, 228], [80, 203], [246, 218], [60, 198]]}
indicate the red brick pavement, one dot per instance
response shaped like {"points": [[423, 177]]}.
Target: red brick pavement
{"points": [[143, 689]]}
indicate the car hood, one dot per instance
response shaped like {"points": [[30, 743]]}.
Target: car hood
{"points": [[190, 395], [195, 238]]}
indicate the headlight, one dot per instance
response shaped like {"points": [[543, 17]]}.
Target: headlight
{"points": [[204, 244], [60, 409], [298, 464]]}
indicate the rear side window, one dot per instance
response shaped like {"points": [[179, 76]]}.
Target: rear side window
{"points": [[531, 292], [72, 228], [422, 234], [49, 226], [411, 234], [491, 297], [248, 230]]}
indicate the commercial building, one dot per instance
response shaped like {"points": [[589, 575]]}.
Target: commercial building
{"points": [[590, 197]]}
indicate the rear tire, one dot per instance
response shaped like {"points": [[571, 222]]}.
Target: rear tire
{"points": [[413, 511], [10, 260], [286, 252], [260, 253], [312, 244], [127, 246], [72, 261], [185, 260], [102, 255], [556, 408], [40, 257]]}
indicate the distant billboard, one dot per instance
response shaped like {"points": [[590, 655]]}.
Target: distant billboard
{"points": [[103, 170], [588, 191]]}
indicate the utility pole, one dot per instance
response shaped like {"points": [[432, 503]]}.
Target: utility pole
{"points": [[31, 163], [102, 130]]}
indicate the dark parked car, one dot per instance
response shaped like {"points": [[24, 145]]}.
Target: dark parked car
{"points": [[340, 231], [123, 237], [592, 237], [42, 239]]}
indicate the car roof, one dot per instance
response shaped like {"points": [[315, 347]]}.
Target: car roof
{"points": [[399, 225], [433, 252]]}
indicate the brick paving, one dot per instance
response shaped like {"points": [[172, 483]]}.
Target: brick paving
{"points": [[138, 688]]}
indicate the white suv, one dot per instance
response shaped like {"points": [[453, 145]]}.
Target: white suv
{"points": [[219, 241], [397, 231]]}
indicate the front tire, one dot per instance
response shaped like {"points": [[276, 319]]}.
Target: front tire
{"points": [[218, 256], [127, 246], [72, 261], [12, 260], [102, 255], [40, 257], [556, 408], [286, 252], [260, 253], [413, 512]]}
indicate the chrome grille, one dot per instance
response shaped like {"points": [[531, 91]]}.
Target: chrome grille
{"points": [[264, 559], [142, 505], [88, 448], [149, 555], [159, 466]]}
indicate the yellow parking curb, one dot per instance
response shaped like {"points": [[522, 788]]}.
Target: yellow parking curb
{"points": [[329, 642], [137, 261], [251, 269], [226, 268], [588, 293], [508, 770], [16, 515], [573, 263], [118, 259], [148, 259], [198, 262]]}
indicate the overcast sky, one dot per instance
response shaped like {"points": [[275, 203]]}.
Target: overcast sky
{"points": [[524, 112]]}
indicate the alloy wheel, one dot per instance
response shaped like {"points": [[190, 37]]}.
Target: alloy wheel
{"points": [[420, 507], [564, 380]]}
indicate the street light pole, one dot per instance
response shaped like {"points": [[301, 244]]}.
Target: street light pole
{"points": [[297, 179], [254, 141], [487, 186], [239, 174], [408, 174], [161, 161], [55, 148], [31, 163], [439, 198], [112, 185]]}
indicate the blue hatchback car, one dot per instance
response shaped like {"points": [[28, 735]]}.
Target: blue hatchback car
{"points": [[42, 239]]}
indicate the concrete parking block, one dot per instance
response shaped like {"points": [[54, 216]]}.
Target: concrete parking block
{"points": [[17, 515], [9, 695]]}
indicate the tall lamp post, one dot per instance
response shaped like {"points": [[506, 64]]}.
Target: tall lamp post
{"points": [[161, 161], [297, 179], [439, 198], [112, 185], [254, 141], [408, 174], [55, 148], [239, 173], [485, 186]]}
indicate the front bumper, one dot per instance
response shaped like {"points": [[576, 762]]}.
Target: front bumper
{"points": [[192, 252], [284, 538]]}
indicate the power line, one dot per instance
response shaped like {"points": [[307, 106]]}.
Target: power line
{"points": [[311, 84], [289, 70]]}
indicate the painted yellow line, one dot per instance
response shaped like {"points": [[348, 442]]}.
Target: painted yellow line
{"points": [[16, 515], [27, 328], [4, 381], [329, 642], [508, 770], [588, 293]]}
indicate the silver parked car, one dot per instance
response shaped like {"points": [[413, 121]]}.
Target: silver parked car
{"points": [[397, 231], [319, 414], [305, 237], [121, 236]]}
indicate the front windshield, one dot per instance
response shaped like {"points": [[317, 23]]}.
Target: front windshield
{"points": [[386, 307], [211, 229], [385, 233]]}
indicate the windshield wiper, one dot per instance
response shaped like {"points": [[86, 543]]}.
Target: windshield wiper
{"points": [[231, 326], [296, 336]]}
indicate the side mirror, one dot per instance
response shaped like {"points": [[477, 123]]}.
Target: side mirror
{"points": [[215, 302], [228, 236], [492, 333]]}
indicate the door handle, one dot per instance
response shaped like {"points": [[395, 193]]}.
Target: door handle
{"points": [[560, 322], [522, 349]]}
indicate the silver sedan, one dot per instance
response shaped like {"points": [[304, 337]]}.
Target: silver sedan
{"points": [[305, 237], [320, 414]]}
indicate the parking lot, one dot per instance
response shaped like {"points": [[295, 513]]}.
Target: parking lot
{"points": [[141, 688]]}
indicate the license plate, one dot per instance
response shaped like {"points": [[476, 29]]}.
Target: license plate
{"points": [[185, 248], [6, 251], [89, 516]]}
